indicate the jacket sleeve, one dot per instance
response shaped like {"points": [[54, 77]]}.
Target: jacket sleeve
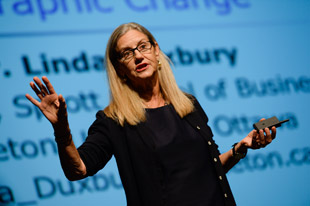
{"points": [[205, 120], [97, 149]]}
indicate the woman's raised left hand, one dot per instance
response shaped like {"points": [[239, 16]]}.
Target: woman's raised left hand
{"points": [[257, 140]]}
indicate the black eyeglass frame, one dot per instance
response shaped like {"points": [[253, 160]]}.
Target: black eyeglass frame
{"points": [[122, 57]]}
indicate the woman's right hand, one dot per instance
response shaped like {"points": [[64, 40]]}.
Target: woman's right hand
{"points": [[54, 108], [52, 105]]}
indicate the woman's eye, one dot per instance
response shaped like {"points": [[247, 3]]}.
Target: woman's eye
{"points": [[142, 46], [126, 53]]}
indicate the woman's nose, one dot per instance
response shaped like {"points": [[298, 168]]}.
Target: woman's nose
{"points": [[137, 54]]}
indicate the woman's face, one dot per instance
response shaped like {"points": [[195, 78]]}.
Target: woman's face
{"points": [[142, 65]]}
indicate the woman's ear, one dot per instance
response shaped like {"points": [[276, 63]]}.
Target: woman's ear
{"points": [[156, 50]]}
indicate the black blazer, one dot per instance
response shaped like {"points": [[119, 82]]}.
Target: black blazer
{"points": [[106, 138]]}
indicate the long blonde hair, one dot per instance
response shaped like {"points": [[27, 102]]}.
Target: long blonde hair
{"points": [[125, 103]]}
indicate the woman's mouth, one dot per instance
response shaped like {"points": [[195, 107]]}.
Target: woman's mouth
{"points": [[141, 67]]}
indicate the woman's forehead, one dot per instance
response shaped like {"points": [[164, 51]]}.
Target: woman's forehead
{"points": [[130, 39]]}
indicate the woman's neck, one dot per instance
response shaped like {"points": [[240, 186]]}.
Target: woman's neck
{"points": [[155, 100], [151, 93]]}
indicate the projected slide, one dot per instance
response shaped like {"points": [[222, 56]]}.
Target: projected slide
{"points": [[242, 59]]}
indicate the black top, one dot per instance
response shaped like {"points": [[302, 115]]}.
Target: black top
{"points": [[139, 160], [183, 161]]}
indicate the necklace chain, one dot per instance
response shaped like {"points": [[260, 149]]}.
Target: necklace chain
{"points": [[148, 105]]}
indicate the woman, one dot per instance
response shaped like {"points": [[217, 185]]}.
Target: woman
{"points": [[158, 134]]}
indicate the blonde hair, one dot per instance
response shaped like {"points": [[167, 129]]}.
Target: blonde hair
{"points": [[125, 103]]}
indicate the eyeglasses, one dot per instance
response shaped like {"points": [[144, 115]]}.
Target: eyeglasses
{"points": [[143, 48]]}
